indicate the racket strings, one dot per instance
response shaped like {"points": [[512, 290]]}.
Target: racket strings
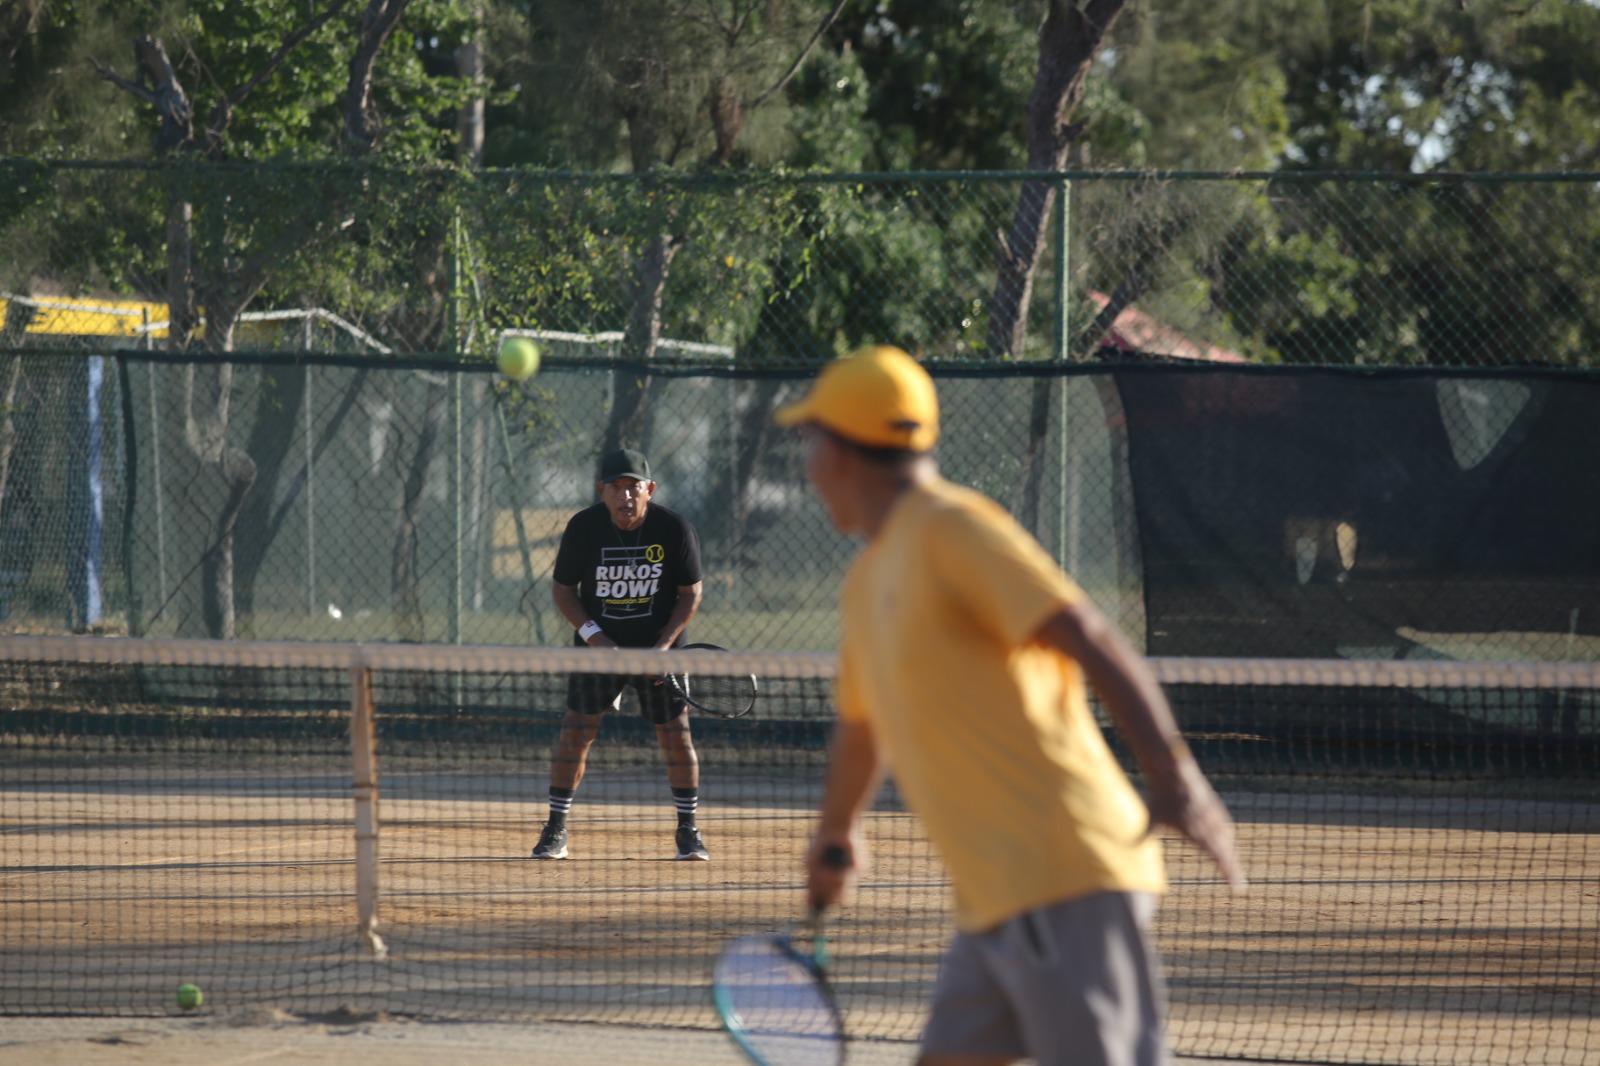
{"points": [[777, 1004], [721, 690]]}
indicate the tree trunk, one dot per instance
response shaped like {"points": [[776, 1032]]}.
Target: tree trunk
{"points": [[469, 153], [239, 474], [755, 421], [278, 417], [1069, 38], [469, 119], [1068, 41], [205, 427], [205, 431], [631, 388], [1017, 264], [405, 584], [271, 518], [1033, 458], [1156, 240], [361, 125], [230, 288]]}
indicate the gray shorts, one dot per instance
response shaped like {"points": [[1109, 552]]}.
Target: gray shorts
{"points": [[1070, 982]]}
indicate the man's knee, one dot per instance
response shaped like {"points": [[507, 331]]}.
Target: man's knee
{"points": [[674, 734], [579, 728]]}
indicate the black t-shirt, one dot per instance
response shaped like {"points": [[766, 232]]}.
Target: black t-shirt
{"points": [[628, 580]]}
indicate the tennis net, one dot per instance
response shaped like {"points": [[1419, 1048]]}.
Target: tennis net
{"points": [[304, 826]]}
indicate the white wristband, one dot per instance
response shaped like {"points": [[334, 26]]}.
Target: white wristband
{"points": [[588, 629]]}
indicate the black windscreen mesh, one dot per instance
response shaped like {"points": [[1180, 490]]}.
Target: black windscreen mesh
{"points": [[1328, 514]]}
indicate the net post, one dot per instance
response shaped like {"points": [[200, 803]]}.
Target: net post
{"points": [[364, 788]]}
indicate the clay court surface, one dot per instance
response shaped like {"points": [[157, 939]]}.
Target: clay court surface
{"points": [[1406, 929], [259, 1037]]}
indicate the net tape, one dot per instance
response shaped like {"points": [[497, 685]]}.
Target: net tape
{"points": [[486, 658]]}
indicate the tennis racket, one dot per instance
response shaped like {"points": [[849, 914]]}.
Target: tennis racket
{"points": [[772, 996], [724, 695]]}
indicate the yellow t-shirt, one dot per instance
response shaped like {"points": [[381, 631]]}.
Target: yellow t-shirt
{"points": [[988, 735]]}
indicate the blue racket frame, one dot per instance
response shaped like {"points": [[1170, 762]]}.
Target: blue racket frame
{"points": [[813, 965]]}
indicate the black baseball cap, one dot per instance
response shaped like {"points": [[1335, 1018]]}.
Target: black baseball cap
{"points": [[625, 462]]}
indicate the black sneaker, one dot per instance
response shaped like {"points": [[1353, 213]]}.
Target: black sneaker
{"points": [[552, 842], [690, 847]]}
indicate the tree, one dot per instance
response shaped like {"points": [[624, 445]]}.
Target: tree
{"points": [[1468, 274], [223, 271], [943, 82], [673, 84], [1069, 38]]}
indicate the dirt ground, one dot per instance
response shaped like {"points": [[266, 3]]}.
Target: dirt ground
{"points": [[1404, 930]]}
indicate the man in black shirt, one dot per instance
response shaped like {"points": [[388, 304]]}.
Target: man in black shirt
{"points": [[627, 575]]}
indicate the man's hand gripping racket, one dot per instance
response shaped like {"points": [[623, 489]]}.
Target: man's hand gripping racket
{"points": [[771, 991]]}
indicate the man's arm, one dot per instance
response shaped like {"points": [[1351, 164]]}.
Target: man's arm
{"points": [[571, 608], [1179, 794], [855, 770], [689, 597]]}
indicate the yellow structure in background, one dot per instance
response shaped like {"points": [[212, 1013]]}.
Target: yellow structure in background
{"points": [[81, 317], [92, 318]]}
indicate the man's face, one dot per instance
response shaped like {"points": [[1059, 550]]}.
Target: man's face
{"points": [[626, 498], [828, 467]]}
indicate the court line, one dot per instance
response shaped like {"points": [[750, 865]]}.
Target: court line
{"points": [[259, 1056]]}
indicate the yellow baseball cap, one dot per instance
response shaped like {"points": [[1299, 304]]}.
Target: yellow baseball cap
{"points": [[877, 396]]}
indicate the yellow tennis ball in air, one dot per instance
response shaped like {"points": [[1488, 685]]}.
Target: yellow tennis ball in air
{"points": [[190, 996], [519, 358]]}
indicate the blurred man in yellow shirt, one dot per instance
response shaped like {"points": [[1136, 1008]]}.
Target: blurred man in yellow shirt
{"points": [[963, 661]]}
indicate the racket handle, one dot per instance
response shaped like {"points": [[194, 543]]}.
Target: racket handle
{"points": [[818, 938], [834, 857]]}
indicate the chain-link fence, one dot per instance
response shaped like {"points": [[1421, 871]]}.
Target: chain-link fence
{"points": [[300, 434], [408, 500], [1211, 510], [1370, 270]]}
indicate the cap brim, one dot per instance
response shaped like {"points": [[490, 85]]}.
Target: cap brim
{"points": [[793, 414]]}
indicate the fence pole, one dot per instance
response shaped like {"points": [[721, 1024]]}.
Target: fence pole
{"points": [[311, 476], [130, 494], [364, 788], [92, 548], [155, 462], [453, 328], [1063, 238]]}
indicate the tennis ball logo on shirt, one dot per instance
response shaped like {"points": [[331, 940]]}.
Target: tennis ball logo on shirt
{"points": [[655, 553]]}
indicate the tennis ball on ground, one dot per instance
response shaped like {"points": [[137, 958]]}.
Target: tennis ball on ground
{"points": [[519, 358], [190, 996]]}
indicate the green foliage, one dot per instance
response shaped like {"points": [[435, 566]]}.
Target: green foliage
{"points": [[949, 80], [61, 106], [1208, 97], [634, 83], [781, 265], [828, 115], [52, 104], [1408, 84]]}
